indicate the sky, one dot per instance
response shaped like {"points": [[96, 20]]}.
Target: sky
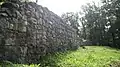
{"points": [[62, 6]]}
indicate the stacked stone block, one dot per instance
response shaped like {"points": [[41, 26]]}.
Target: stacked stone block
{"points": [[29, 31]]}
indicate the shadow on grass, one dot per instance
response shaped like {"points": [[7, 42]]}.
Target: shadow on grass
{"points": [[113, 64], [10, 64], [52, 60]]}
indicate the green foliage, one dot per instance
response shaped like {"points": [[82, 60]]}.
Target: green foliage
{"points": [[7, 63], [92, 56], [20, 65], [92, 22], [71, 19], [31, 65], [101, 23]]}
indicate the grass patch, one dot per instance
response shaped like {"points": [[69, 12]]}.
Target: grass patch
{"points": [[92, 56], [20, 65]]}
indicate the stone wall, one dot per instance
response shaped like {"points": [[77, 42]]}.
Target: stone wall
{"points": [[28, 31]]}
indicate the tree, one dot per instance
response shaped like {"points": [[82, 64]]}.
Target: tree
{"points": [[91, 22], [101, 24], [72, 19], [112, 8]]}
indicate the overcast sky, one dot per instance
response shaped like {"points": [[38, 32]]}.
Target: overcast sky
{"points": [[62, 6]]}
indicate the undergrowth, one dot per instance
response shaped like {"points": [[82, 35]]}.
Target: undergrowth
{"points": [[91, 56]]}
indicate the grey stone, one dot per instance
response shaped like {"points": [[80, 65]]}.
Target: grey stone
{"points": [[3, 14], [31, 31]]}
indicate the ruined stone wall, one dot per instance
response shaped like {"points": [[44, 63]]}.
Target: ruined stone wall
{"points": [[28, 31]]}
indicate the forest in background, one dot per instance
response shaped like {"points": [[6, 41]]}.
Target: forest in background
{"points": [[97, 24]]}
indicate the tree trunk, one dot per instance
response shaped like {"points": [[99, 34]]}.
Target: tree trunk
{"points": [[113, 39]]}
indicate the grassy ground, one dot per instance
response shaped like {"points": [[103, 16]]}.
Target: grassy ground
{"points": [[92, 56]]}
